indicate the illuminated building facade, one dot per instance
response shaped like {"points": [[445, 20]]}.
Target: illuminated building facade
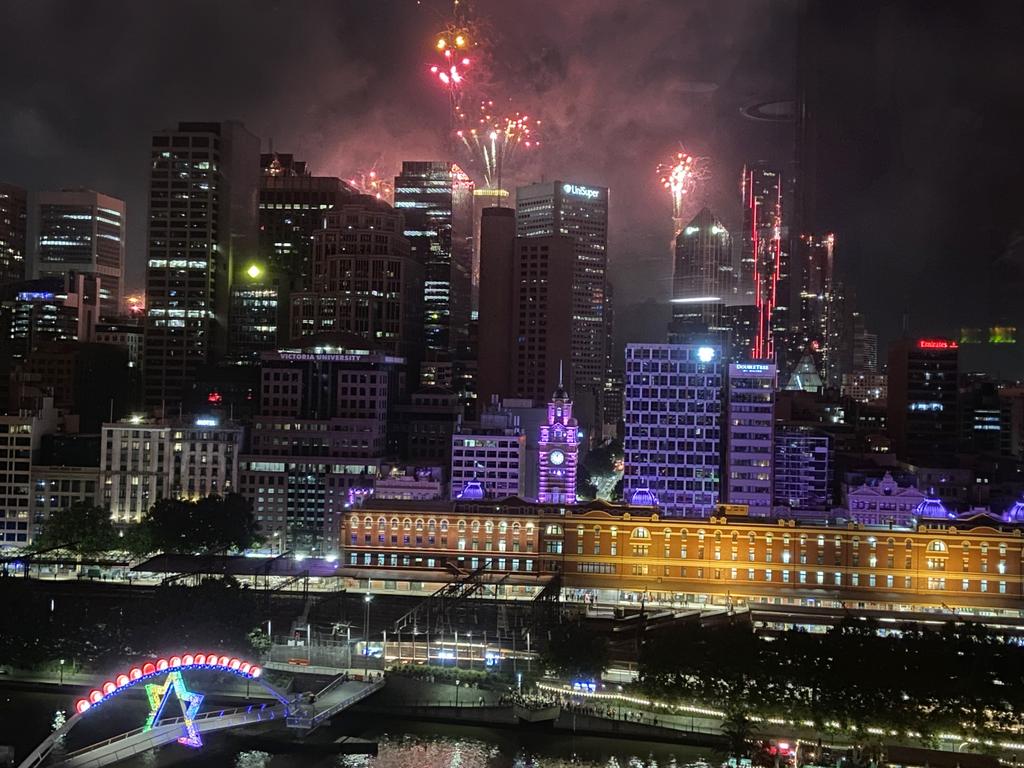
{"points": [[83, 231], [35, 312], [865, 387], [436, 199], [20, 440], [884, 502], [923, 419], [558, 451], [365, 282], [764, 264], [750, 435], [803, 467], [972, 567], [13, 233], [566, 208], [673, 430], [816, 260], [59, 487], [203, 187]]}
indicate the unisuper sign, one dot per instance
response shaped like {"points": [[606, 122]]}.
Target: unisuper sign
{"points": [[580, 191]]}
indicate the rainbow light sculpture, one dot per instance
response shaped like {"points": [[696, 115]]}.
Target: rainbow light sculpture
{"points": [[189, 700], [146, 673]]}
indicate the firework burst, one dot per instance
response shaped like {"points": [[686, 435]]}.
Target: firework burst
{"points": [[373, 183], [680, 175], [493, 140]]}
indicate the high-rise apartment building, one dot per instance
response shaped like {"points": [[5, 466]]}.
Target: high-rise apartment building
{"points": [[803, 469], [764, 263], [750, 433], [489, 453], [364, 282], [13, 232], [923, 420], [436, 199], [703, 280], [20, 440], [816, 261], [204, 183], [581, 212], [673, 411], [83, 231]]}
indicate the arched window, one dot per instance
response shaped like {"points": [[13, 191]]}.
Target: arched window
{"points": [[488, 527], [419, 524], [936, 546], [444, 526], [553, 530], [475, 526], [529, 528], [907, 544], [406, 524], [503, 527], [640, 533], [353, 522], [890, 543], [667, 534], [382, 524], [394, 523], [516, 529], [735, 537], [597, 530], [872, 542], [718, 537], [751, 538], [700, 535], [462, 526], [614, 531], [368, 522], [431, 525]]}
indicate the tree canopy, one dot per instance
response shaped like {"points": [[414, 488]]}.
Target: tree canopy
{"points": [[213, 524], [81, 528], [575, 651]]}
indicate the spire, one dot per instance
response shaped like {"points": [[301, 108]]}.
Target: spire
{"points": [[560, 375], [560, 393]]}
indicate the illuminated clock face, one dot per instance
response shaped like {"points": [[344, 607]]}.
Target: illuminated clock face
{"points": [[556, 458]]}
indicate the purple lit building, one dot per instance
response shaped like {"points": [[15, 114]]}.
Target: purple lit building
{"points": [[558, 451], [750, 433]]}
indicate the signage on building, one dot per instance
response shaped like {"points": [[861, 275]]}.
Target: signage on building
{"points": [[936, 344], [752, 367], [581, 191]]}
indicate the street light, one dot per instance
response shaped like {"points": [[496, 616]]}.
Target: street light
{"points": [[62, 671], [366, 637], [456, 694]]}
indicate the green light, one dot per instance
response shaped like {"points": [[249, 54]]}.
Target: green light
{"points": [[254, 271]]}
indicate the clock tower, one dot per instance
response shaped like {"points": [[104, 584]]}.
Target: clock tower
{"points": [[559, 450]]}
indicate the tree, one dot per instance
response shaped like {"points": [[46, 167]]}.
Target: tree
{"points": [[574, 650], [213, 524], [81, 528], [603, 468]]}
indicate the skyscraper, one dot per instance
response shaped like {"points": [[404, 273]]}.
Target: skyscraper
{"points": [[437, 201], [365, 282], [750, 432], [83, 231], [581, 212], [13, 233], [202, 220], [803, 467], [673, 443], [497, 302], [764, 263], [816, 261], [703, 279], [923, 397], [292, 206]]}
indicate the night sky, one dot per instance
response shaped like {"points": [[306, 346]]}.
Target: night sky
{"points": [[919, 115]]}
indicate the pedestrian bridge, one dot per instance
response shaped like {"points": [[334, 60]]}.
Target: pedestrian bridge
{"points": [[304, 712]]}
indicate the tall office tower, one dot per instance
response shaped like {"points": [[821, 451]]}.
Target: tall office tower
{"points": [[365, 282], [750, 432], [923, 399], [865, 346], [497, 303], [36, 312], [704, 279], [436, 199], [764, 263], [581, 212], [487, 456], [542, 321], [558, 451], [673, 443], [840, 332], [202, 221], [803, 467], [739, 322], [20, 441], [83, 231], [816, 259], [292, 207], [318, 437], [13, 233]]}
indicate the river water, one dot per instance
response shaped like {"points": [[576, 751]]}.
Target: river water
{"points": [[25, 719]]}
